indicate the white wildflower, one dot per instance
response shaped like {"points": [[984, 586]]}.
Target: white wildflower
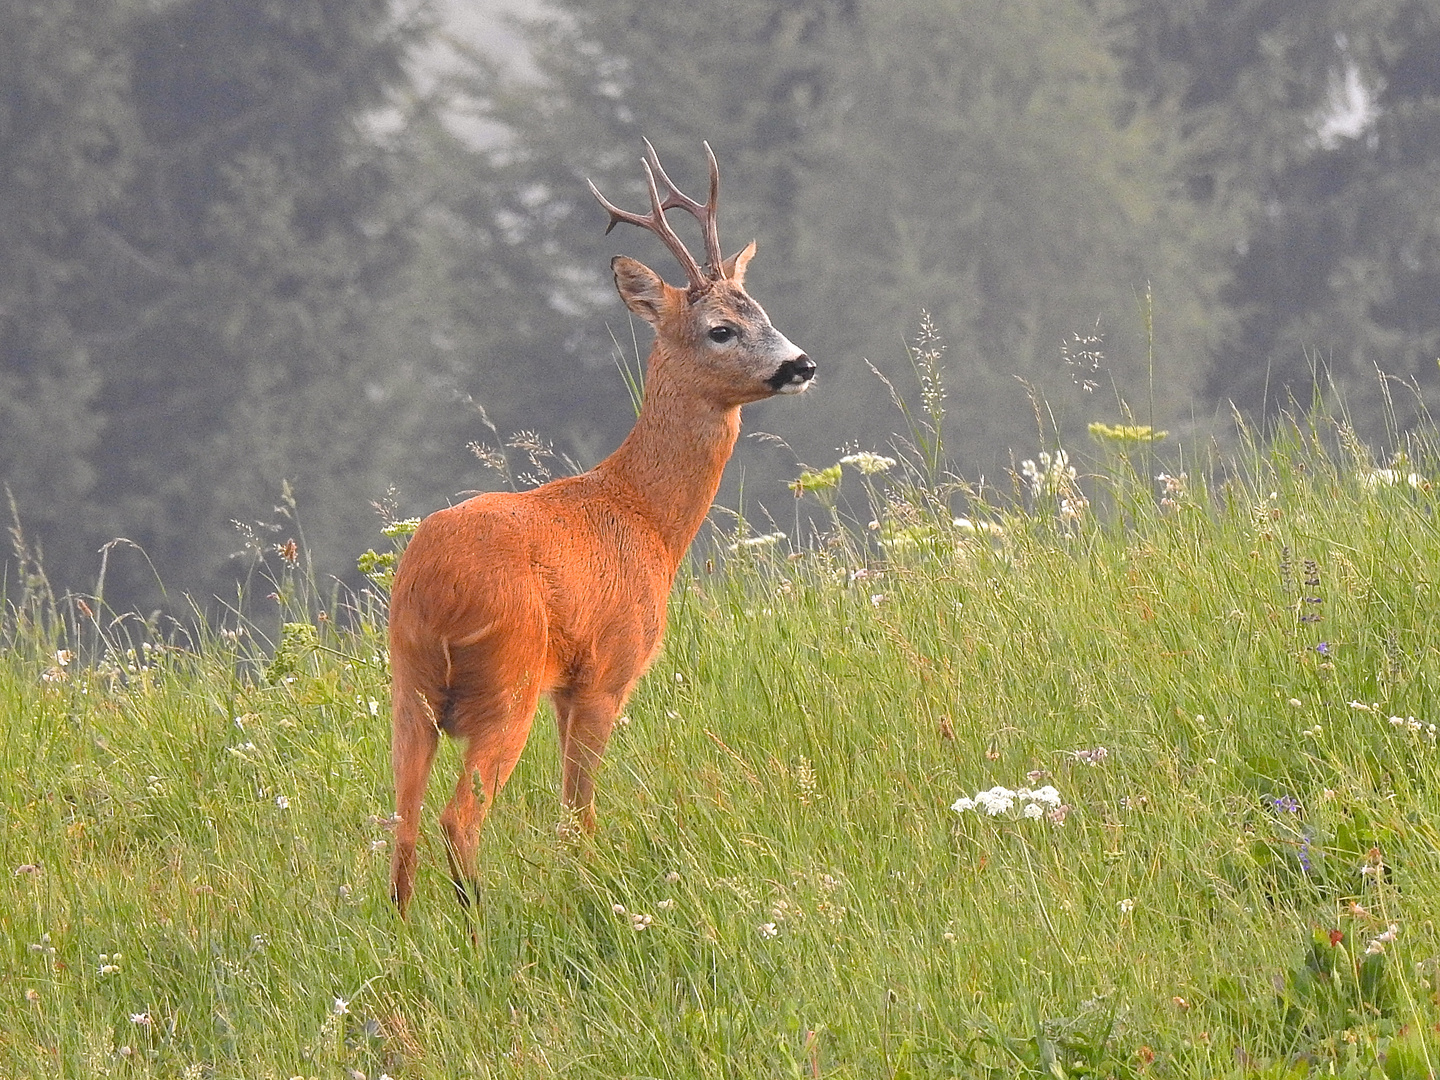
{"points": [[769, 930], [1378, 943], [766, 540], [1000, 800], [867, 462], [996, 801], [1126, 906], [1047, 795], [978, 528]]}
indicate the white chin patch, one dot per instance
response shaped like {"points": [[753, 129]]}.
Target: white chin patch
{"points": [[796, 387]]}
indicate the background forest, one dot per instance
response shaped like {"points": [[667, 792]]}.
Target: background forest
{"points": [[292, 258]]}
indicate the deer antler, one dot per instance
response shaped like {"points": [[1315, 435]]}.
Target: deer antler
{"points": [[676, 199]]}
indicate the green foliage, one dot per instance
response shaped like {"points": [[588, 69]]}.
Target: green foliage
{"points": [[214, 285], [298, 643], [379, 566], [243, 247], [979, 161], [67, 149], [1308, 144], [1231, 690]]}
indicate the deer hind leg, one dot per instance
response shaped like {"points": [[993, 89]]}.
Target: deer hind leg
{"points": [[494, 732], [415, 737], [585, 720]]}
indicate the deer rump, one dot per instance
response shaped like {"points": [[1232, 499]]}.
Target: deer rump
{"points": [[518, 595]]}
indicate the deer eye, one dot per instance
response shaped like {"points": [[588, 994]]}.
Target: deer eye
{"points": [[721, 334]]}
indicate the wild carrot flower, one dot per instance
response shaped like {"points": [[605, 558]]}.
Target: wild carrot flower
{"points": [[867, 462], [975, 528], [767, 540], [1000, 800], [1378, 478]]}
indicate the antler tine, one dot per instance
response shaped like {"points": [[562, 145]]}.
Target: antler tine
{"points": [[702, 212], [655, 222]]}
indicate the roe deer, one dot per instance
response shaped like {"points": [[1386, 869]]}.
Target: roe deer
{"points": [[561, 590]]}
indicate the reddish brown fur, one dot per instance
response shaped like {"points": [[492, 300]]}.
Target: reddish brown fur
{"points": [[562, 590]]}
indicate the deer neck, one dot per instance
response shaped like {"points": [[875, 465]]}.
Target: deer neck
{"points": [[673, 457]]}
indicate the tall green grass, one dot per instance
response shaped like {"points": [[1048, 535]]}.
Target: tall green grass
{"points": [[1231, 690]]}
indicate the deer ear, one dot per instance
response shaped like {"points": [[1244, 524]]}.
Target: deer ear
{"points": [[735, 265], [640, 287]]}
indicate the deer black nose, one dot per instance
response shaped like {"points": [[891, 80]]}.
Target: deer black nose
{"points": [[794, 374]]}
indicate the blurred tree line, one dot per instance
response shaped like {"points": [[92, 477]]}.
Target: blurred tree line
{"points": [[255, 248]]}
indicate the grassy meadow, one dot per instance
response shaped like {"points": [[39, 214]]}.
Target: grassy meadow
{"points": [[1211, 700]]}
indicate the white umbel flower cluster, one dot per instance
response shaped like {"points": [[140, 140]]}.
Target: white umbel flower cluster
{"points": [[1002, 800]]}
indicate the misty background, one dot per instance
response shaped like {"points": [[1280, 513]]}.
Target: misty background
{"points": [[257, 253]]}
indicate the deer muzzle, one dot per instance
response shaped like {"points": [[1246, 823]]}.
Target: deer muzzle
{"points": [[793, 376]]}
